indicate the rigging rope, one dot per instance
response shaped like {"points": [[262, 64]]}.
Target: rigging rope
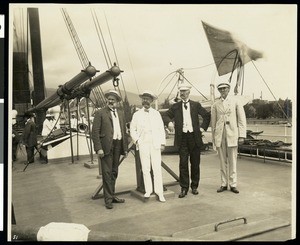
{"points": [[166, 78], [115, 55], [194, 86], [105, 52], [75, 39], [200, 67], [172, 91], [183, 76], [269, 90], [97, 26], [175, 72], [129, 59]]}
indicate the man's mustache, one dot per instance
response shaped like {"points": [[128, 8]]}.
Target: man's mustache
{"points": [[145, 103]]}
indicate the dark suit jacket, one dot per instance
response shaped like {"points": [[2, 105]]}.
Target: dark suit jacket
{"points": [[102, 131], [16, 139], [175, 114], [29, 134]]}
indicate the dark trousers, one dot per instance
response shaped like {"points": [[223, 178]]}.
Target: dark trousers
{"points": [[189, 149], [14, 151], [110, 168], [30, 153]]}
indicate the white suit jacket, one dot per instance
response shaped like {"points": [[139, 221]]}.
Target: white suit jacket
{"points": [[230, 114], [137, 127], [47, 127]]}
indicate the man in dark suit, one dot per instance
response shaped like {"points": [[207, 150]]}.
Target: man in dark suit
{"points": [[188, 137], [110, 142], [15, 137], [29, 137]]}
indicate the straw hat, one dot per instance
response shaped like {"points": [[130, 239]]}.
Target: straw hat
{"points": [[114, 93], [149, 94]]}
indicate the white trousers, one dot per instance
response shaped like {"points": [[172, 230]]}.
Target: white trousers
{"points": [[151, 157], [228, 160]]}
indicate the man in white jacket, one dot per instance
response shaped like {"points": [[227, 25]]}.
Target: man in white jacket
{"points": [[228, 123], [48, 125], [148, 133]]}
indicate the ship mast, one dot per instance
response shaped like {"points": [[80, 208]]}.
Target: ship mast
{"points": [[38, 93]]}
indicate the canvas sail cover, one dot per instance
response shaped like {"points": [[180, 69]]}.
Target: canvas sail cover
{"points": [[226, 50]]}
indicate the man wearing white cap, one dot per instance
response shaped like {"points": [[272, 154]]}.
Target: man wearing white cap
{"points": [[74, 122], [188, 137], [48, 125], [148, 133], [110, 142], [228, 123]]}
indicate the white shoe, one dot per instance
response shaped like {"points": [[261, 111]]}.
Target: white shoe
{"points": [[147, 195], [161, 198]]}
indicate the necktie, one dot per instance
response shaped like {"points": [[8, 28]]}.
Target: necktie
{"points": [[185, 106], [146, 110], [114, 112]]}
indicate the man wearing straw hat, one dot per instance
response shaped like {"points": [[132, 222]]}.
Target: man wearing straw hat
{"points": [[188, 137], [148, 133], [110, 142]]}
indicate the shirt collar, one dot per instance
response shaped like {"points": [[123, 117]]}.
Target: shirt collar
{"points": [[224, 99], [146, 110], [112, 109]]}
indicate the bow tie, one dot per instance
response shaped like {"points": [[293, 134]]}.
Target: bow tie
{"points": [[146, 110]]}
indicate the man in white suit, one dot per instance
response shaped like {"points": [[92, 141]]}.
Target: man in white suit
{"points": [[228, 123], [148, 133]]}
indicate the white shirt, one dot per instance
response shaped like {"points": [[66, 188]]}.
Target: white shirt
{"points": [[147, 133], [116, 125], [148, 127], [187, 120], [47, 127], [73, 122], [226, 105]]}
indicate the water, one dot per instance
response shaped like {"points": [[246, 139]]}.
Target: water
{"points": [[272, 132]]}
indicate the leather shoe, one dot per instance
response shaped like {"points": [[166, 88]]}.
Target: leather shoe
{"points": [[234, 189], [183, 193], [195, 192], [118, 200], [222, 188], [109, 206]]}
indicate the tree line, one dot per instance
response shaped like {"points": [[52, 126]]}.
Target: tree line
{"points": [[263, 109], [260, 109]]}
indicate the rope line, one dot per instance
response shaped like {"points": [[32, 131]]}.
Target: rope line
{"points": [[115, 55], [269, 89], [168, 82], [97, 26], [194, 86]]}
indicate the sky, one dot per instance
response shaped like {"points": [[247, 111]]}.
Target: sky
{"points": [[150, 42]]}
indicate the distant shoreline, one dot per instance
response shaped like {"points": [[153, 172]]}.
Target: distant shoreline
{"points": [[269, 121]]}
